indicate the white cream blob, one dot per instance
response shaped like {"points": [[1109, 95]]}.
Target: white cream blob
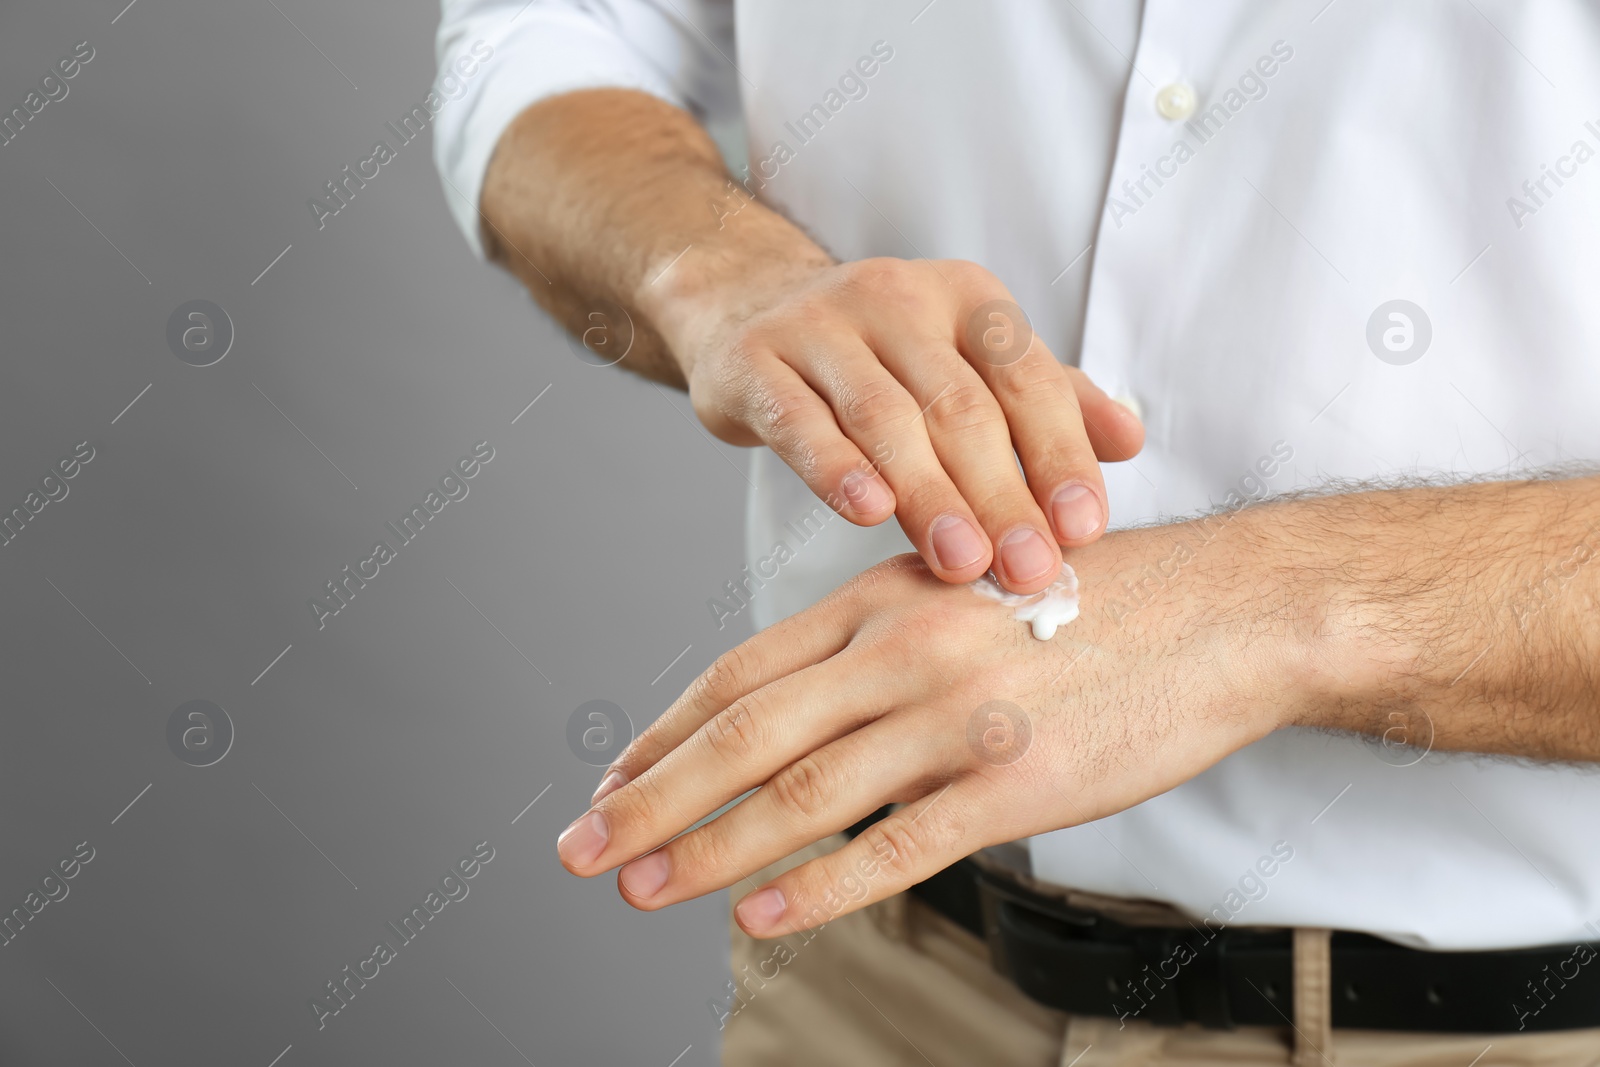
{"points": [[1047, 610]]}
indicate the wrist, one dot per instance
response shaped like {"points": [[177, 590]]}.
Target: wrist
{"points": [[689, 295], [1207, 591], [1334, 663], [1253, 595]]}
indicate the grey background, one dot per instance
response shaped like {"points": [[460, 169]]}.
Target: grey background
{"points": [[185, 553]]}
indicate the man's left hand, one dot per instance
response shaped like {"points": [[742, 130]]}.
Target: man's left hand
{"points": [[900, 688]]}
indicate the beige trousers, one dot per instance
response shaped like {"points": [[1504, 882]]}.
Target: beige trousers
{"points": [[898, 983]]}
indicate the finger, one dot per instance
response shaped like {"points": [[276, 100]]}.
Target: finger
{"points": [[794, 422], [903, 848], [1052, 441], [881, 417], [736, 750], [1115, 430], [818, 794], [784, 648], [970, 435]]}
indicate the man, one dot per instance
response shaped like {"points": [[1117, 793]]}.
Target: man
{"points": [[1336, 254]]}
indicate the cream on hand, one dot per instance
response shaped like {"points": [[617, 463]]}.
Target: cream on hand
{"points": [[1053, 607]]}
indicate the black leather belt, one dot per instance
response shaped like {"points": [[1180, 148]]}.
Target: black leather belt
{"points": [[1081, 962]]}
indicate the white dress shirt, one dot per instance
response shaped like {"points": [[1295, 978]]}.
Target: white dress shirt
{"points": [[1351, 154]]}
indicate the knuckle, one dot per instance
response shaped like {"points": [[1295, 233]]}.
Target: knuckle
{"points": [[876, 585], [640, 752], [909, 845], [877, 276], [778, 411], [964, 406], [630, 808], [723, 682], [1059, 456], [780, 419], [702, 856], [723, 388], [804, 789], [972, 275], [732, 360], [1071, 461], [1005, 503], [930, 494], [734, 735], [1030, 377], [877, 403], [897, 844], [806, 317]]}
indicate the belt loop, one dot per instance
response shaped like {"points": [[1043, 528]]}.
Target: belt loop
{"points": [[1313, 997]]}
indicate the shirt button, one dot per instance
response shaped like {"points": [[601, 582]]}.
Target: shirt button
{"points": [[1175, 102], [1131, 402]]}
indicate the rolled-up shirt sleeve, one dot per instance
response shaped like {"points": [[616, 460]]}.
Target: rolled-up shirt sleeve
{"points": [[523, 51]]}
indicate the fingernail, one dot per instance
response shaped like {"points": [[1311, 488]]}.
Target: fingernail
{"points": [[581, 843], [613, 781], [644, 877], [1076, 511], [1025, 555], [956, 542], [865, 493], [760, 911]]}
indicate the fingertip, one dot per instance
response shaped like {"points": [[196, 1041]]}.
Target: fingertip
{"points": [[1127, 427], [1131, 433], [1114, 425], [1026, 561], [581, 844], [613, 781], [957, 550], [1077, 513], [867, 498], [641, 881], [760, 913]]}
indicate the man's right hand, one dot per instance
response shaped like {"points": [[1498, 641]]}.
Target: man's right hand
{"points": [[902, 387], [893, 387]]}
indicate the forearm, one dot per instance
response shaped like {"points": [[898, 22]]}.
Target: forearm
{"points": [[614, 208], [592, 195], [1195, 640], [1461, 616]]}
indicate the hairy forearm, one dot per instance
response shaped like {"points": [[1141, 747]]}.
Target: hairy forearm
{"points": [[592, 199], [1457, 616]]}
